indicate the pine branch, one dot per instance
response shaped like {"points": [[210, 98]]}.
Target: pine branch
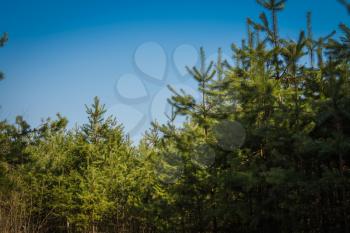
{"points": [[346, 4], [3, 39]]}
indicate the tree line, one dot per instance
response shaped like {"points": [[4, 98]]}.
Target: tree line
{"points": [[264, 149]]}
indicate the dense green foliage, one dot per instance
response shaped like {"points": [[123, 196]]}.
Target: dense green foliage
{"points": [[264, 149]]}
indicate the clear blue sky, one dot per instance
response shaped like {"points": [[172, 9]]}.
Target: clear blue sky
{"points": [[63, 53]]}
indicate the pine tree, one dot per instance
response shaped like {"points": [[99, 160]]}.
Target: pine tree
{"points": [[274, 6], [94, 128], [187, 105], [272, 31], [290, 174]]}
